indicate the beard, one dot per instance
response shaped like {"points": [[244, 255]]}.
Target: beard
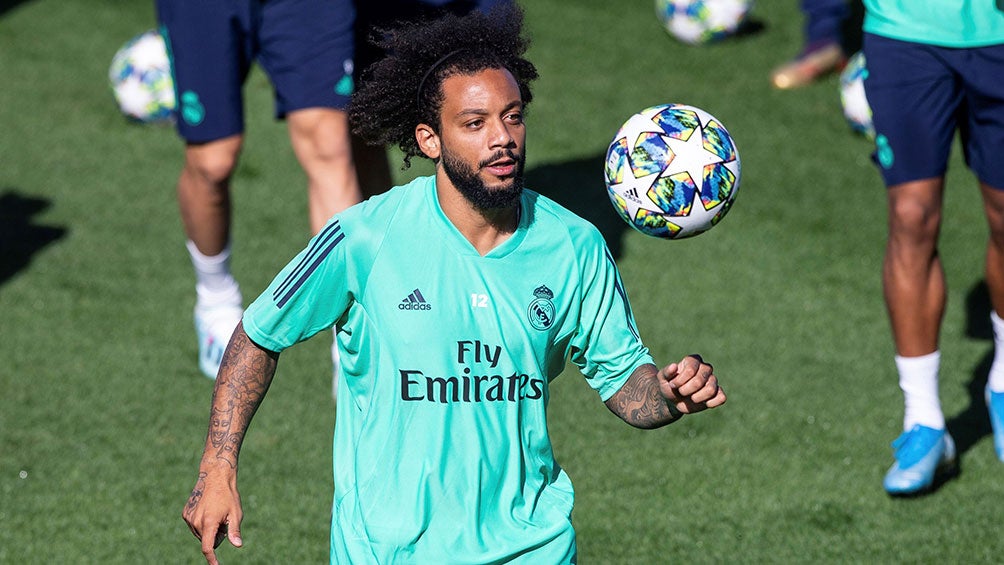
{"points": [[470, 185]]}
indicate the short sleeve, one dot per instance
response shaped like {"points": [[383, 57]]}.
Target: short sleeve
{"points": [[606, 346], [307, 296]]}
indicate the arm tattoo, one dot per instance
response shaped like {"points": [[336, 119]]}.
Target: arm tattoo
{"points": [[245, 375], [640, 403], [228, 451], [219, 423], [196, 496]]}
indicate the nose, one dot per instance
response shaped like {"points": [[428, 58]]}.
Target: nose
{"points": [[500, 135]]}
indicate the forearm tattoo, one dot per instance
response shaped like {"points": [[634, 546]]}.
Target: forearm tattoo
{"points": [[245, 375], [640, 403], [196, 496]]}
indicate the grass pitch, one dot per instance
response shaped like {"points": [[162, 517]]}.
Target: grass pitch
{"points": [[103, 411]]}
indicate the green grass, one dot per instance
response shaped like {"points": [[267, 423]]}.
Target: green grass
{"points": [[103, 412]]}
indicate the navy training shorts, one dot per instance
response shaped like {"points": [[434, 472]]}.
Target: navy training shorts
{"points": [[920, 95], [305, 47]]}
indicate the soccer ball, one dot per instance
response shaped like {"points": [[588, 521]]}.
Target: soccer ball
{"points": [[140, 77], [852, 95], [672, 171], [702, 21]]}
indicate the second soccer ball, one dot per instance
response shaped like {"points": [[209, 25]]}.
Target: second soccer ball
{"points": [[140, 77], [852, 96], [697, 22]]}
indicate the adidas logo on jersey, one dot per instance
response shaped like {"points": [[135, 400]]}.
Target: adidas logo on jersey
{"points": [[414, 301]]}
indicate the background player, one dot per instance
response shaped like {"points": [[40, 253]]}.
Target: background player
{"points": [[305, 46], [441, 448], [822, 50], [934, 68]]}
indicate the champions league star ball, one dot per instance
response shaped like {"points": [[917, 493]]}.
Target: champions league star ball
{"points": [[140, 78], [702, 21], [852, 96], [672, 171]]}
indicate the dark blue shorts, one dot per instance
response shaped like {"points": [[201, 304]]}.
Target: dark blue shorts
{"points": [[305, 46], [921, 95]]}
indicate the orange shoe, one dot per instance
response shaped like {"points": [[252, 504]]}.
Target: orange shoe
{"points": [[809, 67]]}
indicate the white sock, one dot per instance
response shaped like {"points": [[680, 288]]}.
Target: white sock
{"points": [[213, 282], [995, 381], [918, 378]]}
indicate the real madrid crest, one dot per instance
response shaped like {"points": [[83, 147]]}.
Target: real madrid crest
{"points": [[541, 310]]}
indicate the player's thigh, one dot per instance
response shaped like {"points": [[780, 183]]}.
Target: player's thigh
{"points": [[914, 99], [210, 49], [306, 47], [321, 133], [982, 72]]}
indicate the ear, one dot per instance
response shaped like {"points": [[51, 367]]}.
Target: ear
{"points": [[428, 141]]}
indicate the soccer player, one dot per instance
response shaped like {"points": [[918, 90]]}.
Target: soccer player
{"points": [[459, 297], [822, 51], [305, 46], [372, 18], [934, 68]]}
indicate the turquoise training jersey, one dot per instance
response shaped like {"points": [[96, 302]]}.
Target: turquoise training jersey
{"points": [[946, 23], [441, 449]]}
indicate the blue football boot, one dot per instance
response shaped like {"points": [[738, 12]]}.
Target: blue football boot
{"points": [[995, 407], [921, 454]]}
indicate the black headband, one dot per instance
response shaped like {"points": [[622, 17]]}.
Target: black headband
{"points": [[428, 73]]}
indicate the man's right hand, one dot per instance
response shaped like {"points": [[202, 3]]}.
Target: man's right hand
{"points": [[213, 512]]}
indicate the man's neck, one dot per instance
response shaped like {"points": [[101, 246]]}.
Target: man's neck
{"points": [[484, 229]]}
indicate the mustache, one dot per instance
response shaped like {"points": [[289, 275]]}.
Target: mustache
{"points": [[501, 153]]}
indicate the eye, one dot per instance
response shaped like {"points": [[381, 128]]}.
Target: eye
{"points": [[474, 124], [515, 118]]}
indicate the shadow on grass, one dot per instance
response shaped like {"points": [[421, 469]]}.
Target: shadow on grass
{"points": [[20, 238], [973, 424], [751, 26], [8, 5], [578, 185]]}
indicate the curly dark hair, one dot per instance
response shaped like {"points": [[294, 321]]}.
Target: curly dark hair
{"points": [[404, 89]]}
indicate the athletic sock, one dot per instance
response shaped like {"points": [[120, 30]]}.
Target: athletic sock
{"points": [[918, 378], [995, 381], [214, 285]]}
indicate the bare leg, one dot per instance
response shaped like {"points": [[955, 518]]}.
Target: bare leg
{"points": [[320, 139], [914, 284], [204, 199], [204, 192], [912, 275], [993, 203]]}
